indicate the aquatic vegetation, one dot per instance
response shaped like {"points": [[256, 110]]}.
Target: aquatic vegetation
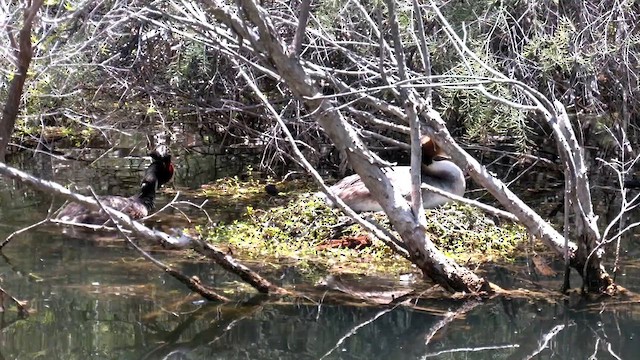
{"points": [[296, 226]]}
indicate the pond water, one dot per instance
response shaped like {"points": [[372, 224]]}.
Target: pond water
{"points": [[98, 299]]}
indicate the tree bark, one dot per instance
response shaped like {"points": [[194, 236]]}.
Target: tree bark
{"points": [[23, 54], [584, 257], [422, 251]]}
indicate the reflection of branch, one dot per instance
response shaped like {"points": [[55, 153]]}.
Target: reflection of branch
{"points": [[182, 337], [449, 317], [470, 349], [545, 340], [22, 310], [606, 344], [355, 329], [528, 348], [192, 283]]}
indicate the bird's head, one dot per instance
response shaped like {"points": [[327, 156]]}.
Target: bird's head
{"points": [[161, 169], [431, 151]]}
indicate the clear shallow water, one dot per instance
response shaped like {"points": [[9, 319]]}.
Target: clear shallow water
{"points": [[97, 299]]}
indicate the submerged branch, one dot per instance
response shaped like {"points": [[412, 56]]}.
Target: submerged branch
{"points": [[192, 283], [141, 231], [20, 231], [20, 305], [449, 317], [230, 264]]}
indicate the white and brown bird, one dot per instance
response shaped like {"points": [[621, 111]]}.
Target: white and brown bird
{"points": [[437, 171]]}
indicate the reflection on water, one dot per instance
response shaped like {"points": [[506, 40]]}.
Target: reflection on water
{"points": [[97, 299]]}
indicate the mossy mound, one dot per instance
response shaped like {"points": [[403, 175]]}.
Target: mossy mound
{"points": [[295, 226]]}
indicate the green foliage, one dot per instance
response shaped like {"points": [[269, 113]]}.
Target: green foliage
{"points": [[551, 52], [465, 233], [289, 228], [283, 231], [484, 120], [192, 64], [29, 133], [293, 233]]}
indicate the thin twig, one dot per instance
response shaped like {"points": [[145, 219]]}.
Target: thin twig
{"points": [[484, 207], [20, 305], [20, 231]]}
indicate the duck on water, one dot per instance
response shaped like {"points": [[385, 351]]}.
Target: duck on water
{"points": [[437, 171], [138, 206]]}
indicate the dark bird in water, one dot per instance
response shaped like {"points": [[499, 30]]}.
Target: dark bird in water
{"points": [[437, 171], [138, 206]]}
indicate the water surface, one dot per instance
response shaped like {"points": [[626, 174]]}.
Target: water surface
{"points": [[96, 298]]}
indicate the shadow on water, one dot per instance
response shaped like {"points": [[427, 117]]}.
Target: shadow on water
{"points": [[97, 299]]}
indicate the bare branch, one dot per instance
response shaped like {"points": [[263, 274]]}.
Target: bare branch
{"points": [[139, 230], [192, 283], [23, 230], [487, 208], [410, 103]]}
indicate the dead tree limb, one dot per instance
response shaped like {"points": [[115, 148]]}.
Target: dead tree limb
{"points": [[265, 39], [582, 256], [305, 8], [143, 232], [192, 283]]}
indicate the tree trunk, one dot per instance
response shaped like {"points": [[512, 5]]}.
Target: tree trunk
{"points": [[23, 53]]}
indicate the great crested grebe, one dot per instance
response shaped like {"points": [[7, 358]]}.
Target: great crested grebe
{"points": [[437, 171], [138, 206]]}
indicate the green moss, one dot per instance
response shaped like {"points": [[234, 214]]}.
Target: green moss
{"points": [[467, 234], [294, 226]]}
